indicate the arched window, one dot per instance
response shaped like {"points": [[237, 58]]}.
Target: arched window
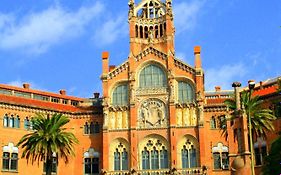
{"points": [[260, 150], [10, 158], [17, 122], [125, 160], [26, 123], [145, 159], [141, 32], [11, 121], [86, 128], [213, 123], [145, 32], [117, 161], [121, 158], [156, 32], [137, 31], [154, 156], [120, 95], [220, 156], [154, 159], [92, 128], [91, 162], [161, 30], [152, 76], [189, 155], [5, 120], [222, 122], [164, 158], [185, 92]]}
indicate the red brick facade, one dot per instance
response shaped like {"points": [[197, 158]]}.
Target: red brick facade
{"points": [[153, 103]]}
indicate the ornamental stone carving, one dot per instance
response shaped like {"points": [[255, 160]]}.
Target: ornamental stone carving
{"points": [[152, 113]]}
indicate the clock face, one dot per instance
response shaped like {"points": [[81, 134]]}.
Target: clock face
{"points": [[152, 113]]}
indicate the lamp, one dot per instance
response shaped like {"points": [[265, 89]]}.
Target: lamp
{"points": [[251, 85]]}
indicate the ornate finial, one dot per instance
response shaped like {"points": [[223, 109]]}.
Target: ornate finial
{"points": [[169, 8], [236, 84], [131, 8]]}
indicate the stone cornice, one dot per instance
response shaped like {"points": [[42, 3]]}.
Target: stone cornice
{"points": [[151, 50], [183, 66], [118, 70]]}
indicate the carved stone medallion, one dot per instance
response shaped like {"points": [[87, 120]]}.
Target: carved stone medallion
{"points": [[152, 113]]}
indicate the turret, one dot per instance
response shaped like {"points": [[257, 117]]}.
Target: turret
{"points": [[151, 22]]}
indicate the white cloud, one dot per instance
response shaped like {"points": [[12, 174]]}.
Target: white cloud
{"points": [[111, 30], [36, 32], [186, 14], [224, 76]]}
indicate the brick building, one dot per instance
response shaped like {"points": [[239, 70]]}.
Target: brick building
{"points": [[154, 116]]}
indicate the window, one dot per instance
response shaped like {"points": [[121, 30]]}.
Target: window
{"points": [[92, 128], [5, 92], [64, 101], [120, 157], [145, 159], [185, 92], [55, 100], [5, 120], [152, 76], [11, 121], [17, 122], [91, 162], [260, 150], [22, 94], [220, 157], [86, 128], [213, 123], [41, 97], [120, 95], [188, 155], [74, 103], [54, 165], [10, 158], [222, 122], [154, 156], [28, 124]]}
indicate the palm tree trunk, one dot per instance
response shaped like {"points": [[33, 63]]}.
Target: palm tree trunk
{"points": [[49, 163]]}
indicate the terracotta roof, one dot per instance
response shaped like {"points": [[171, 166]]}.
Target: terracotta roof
{"points": [[8, 87], [40, 104], [265, 91]]}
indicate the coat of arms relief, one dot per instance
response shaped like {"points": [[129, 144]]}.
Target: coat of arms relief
{"points": [[152, 114]]}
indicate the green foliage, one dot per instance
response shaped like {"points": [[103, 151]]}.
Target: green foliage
{"points": [[273, 160], [261, 118], [49, 136], [279, 85]]}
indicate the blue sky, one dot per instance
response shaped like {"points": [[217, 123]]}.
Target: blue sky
{"points": [[57, 44]]}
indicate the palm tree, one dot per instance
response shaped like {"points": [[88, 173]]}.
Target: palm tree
{"points": [[261, 118], [49, 136]]}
